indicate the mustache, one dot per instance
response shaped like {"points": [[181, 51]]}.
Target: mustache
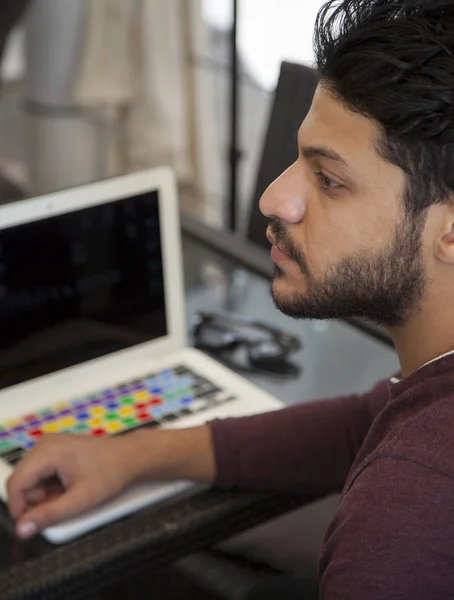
{"points": [[285, 242]]}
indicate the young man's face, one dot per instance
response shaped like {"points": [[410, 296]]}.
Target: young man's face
{"points": [[338, 216]]}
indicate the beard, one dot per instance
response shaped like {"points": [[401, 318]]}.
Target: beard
{"points": [[383, 286]]}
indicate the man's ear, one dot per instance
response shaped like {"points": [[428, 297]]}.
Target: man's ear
{"points": [[444, 243]]}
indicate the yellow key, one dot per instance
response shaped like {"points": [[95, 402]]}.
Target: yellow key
{"points": [[13, 423], [95, 423], [67, 422], [113, 426], [97, 411], [141, 396], [126, 412], [51, 428]]}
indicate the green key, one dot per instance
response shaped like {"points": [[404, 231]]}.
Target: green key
{"points": [[80, 428], [5, 445], [127, 400], [129, 421], [110, 416]]}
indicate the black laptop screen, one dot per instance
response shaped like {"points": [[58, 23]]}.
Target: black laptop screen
{"points": [[79, 286]]}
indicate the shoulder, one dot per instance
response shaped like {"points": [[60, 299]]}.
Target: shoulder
{"points": [[418, 428], [392, 535]]}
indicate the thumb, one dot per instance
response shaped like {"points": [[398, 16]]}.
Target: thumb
{"points": [[60, 508]]}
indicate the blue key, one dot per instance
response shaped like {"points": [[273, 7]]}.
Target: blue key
{"points": [[20, 439], [82, 416], [158, 411], [186, 400]]}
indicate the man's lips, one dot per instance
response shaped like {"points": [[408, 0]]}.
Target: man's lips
{"points": [[277, 254]]}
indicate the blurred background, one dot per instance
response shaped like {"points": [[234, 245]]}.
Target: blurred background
{"points": [[95, 88]]}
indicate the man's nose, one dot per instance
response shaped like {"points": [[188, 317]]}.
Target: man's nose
{"points": [[284, 198]]}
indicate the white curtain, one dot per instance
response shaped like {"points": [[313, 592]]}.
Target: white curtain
{"points": [[121, 91], [134, 72]]}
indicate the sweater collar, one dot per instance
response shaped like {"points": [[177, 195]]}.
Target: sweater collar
{"points": [[438, 366]]}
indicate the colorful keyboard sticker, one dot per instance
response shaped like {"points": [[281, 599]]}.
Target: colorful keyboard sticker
{"points": [[161, 397]]}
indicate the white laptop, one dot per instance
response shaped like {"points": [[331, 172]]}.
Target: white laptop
{"points": [[93, 332]]}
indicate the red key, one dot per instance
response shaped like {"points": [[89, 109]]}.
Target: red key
{"points": [[35, 433], [98, 432], [144, 417], [155, 401], [140, 406], [30, 418]]}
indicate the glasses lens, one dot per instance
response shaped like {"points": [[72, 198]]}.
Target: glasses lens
{"points": [[214, 337], [273, 359], [267, 350]]}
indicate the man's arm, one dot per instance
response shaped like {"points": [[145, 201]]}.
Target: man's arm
{"points": [[307, 448], [290, 449], [392, 536]]}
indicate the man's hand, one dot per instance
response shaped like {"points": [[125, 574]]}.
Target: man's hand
{"points": [[65, 475]]}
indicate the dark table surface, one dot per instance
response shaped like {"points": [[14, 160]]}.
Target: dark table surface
{"points": [[221, 274]]}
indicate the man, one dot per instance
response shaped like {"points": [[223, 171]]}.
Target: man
{"points": [[361, 225]]}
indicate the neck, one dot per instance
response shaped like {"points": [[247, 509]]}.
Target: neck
{"points": [[422, 339]]}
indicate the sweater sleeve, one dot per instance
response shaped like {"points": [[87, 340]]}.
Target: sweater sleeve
{"points": [[306, 449]]}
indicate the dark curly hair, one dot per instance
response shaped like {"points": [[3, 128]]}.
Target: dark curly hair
{"points": [[393, 61]]}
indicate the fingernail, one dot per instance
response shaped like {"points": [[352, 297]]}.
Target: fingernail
{"points": [[27, 529]]}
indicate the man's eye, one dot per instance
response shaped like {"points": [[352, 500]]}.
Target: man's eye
{"points": [[328, 183]]}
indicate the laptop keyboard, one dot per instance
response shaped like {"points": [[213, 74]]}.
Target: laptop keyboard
{"points": [[151, 401]]}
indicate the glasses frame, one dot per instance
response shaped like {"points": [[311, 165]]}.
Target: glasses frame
{"points": [[232, 325]]}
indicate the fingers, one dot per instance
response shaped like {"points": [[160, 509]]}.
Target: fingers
{"points": [[64, 476], [36, 495], [24, 481], [47, 490], [29, 475], [55, 510]]}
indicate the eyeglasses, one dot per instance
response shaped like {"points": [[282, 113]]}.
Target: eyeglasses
{"points": [[246, 345]]}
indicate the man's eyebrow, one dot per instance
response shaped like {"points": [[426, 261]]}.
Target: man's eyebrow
{"points": [[321, 152]]}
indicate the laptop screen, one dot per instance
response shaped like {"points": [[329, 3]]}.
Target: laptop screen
{"points": [[79, 286]]}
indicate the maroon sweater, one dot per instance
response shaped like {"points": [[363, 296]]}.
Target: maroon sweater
{"points": [[391, 453]]}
